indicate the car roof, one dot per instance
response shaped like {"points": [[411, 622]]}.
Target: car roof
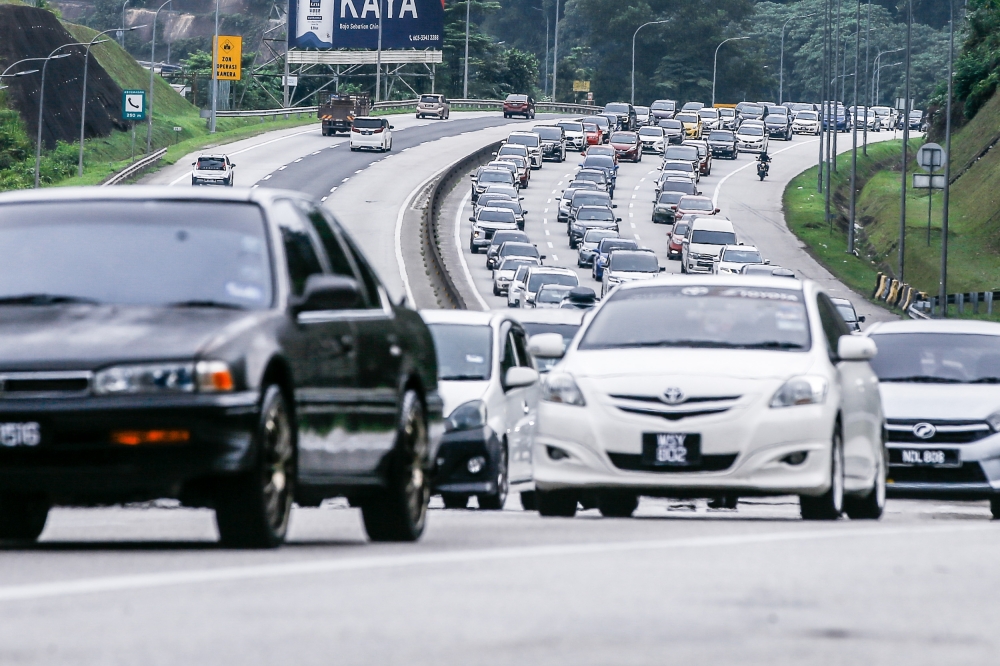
{"points": [[551, 270], [470, 317], [956, 326], [214, 156], [513, 243], [145, 193], [670, 162], [592, 207], [759, 282], [547, 316], [713, 223], [743, 247]]}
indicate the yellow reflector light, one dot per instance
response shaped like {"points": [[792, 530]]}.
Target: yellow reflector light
{"points": [[137, 437]]}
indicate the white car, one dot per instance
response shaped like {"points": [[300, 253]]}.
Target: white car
{"points": [[576, 139], [532, 142], [629, 266], [940, 385], [751, 138], [503, 275], [489, 386], [680, 169], [213, 170], [733, 258], [715, 387], [372, 134], [806, 122], [705, 239], [539, 276], [565, 322], [653, 139]]}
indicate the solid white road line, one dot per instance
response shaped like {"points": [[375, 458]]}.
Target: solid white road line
{"points": [[461, 250], [718, 187], [254, 147]]}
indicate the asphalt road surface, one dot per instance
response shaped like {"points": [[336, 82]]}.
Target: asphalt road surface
{"points": [[676, 584]]}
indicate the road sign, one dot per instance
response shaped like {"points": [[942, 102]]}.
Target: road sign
{"points": [[581, 86], [290, 81], [133, 105], [229, 58], [928, 181], [930, 157]]}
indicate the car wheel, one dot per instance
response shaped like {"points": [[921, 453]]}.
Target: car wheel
{"points": [[617, 505], [830, 504], [995, 507], [871, 506], [390, 145], [528, 500], [252, 509], [495, 501], [399, 513], [22, 516], [496, 292], [419, 117], [455, 501], [555, 503]]}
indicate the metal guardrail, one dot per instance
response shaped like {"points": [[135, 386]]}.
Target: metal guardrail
{"points": [[135, 168], [919, 305], [491, 104]]}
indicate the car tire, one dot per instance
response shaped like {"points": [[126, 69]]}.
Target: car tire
{"points": [[872, 504], [830, 504], [455, 500], [529, 502], [617, 505], [495, 501], [995, 507], [22, 516], [419, 117], [399, 513], [252, 509], [555, 503], [496, 292], [473, 249]]}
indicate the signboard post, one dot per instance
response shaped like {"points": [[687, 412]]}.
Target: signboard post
{"points": [[133, 109], [930, 157], [229, 58]]}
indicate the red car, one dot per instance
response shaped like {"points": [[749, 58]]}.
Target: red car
{"points": [[676, 240], [593, 134], [627, 145], [519, 105]]}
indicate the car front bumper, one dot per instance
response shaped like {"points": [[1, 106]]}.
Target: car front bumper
{"points": [[451, 473], [723, 151], [976, 477]]}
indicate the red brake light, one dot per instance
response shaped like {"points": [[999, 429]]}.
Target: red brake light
{"points": [[379, 130], [355, 129]]}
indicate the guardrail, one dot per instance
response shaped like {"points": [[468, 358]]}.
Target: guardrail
{"points": [[134, 169], [918, 305], [487, 104]]}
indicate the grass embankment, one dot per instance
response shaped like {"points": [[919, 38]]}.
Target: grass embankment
{"points": [[974, 215]]}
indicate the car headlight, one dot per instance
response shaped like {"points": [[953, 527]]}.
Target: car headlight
{"points": [[994, 420], [560, 387], [804, 390], [467, 416], [205, 376]]}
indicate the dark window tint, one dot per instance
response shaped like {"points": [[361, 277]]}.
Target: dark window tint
{"points": [[643, 262], [300, 255], [670, 197], [713, 237], [339, 264], [833, 324], [368, 123], [509, 358], [368, 277], [521, 348], [463, 352], [211, 164]]}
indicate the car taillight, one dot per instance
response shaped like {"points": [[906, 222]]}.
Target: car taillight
{"points": [[379, 130], [355, 129]]}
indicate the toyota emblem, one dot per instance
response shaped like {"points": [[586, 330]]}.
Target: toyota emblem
{"points": [[673, 396], [924, 430]]}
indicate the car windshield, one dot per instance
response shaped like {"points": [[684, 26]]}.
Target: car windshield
{"points": [[609, 245], [512, 206], [706, 237], [514, 263], [512, 149], [847, 312], [505, 216], [678, 166], [727, 113], [777, 111], [616, 108], [752, 130], [585, 198], [623, 137], [495, 176], [651, 131], [687, 117], [211, 164], [572, 127], [548, 133], [519, 250], [752, 109], [595, 235], [429, 99], [721, 136], [551, 293], [368, 123], [517, 98], [567, 331], [708, 113], [591, 176], [686, 187], [701, 316], [595, 213], [602, 121], [696, 203], [680, 228], [136, 253], [641, 110], [599, 161], [670, 197], [689, 153], [742, 256], [501, 237], [639, 262], [670, 123], [944, 358], [524, 139], [663, 106], [536, 281], [807, 115], [463, 351], [521, 273]]}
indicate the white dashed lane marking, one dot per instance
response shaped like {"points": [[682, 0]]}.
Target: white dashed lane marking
{"points": [[550, 244], [282, 168], [267, 177], [346, 179]]}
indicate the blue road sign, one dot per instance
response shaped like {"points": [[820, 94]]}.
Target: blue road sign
{"points": [[133, 105]]}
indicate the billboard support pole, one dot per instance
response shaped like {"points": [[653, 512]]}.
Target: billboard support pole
{"points": [[378, 57], [284, 82], [465, 85], [555, 53]]}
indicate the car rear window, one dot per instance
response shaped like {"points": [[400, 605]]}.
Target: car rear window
{"points": [[639, 262], [663, 106], [464, 352], [670, 123], [538, 279], [429, 99], [211, 164], [152, 252], [368, 123], [706, 237]]}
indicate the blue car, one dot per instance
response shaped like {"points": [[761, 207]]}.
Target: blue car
{"points": [[841, 122], [603, 251]]}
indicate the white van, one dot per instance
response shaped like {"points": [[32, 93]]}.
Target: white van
{"points": [[706, 238]]}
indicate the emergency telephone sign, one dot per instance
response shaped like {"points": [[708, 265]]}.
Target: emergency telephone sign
{"points": [[228, 58]]}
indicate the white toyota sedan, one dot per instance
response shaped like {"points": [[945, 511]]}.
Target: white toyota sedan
{"points": [[712, 387]]}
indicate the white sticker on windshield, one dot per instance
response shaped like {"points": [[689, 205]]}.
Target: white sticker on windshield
{"points": [[474, 358], [245, 291]]}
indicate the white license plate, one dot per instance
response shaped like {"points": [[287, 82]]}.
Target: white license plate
{"points": [[28, 433]]}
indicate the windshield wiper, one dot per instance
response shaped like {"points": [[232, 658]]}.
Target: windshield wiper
{"points": [[708, 344], [986, 380], [924, 379], [774, 344], [463, 378], [207, 303], [44, 299]]}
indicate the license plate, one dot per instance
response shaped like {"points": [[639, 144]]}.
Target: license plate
{"points": [[900, 457], [26, 433], [366, 133], [671, 449]]}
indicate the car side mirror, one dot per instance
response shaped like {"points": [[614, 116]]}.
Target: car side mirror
{"points": [[718, 210], [861, 319], [618, 219], [327, 292], [525, 212], [614, 205], [194, 164], [856, 348], [547, 345], [392, 127], [472, 219], [767, 262], [519, 377], [542, 256]]}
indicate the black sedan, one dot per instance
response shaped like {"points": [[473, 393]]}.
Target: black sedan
{"points": [[231, 349], [723, 143], [673, 131]]}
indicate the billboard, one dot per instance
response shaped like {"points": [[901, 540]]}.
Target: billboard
{"points": [[353, 24]]}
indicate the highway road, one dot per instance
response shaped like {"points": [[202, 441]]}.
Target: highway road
{"points": [[679, 583]]}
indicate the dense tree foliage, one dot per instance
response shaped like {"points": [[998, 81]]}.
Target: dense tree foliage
{"points": [[977, 70]]}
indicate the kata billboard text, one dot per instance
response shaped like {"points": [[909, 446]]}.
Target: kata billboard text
{"points": [[353, 24]]}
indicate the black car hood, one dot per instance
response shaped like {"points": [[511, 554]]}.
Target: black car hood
{"points": [[86, 337]]}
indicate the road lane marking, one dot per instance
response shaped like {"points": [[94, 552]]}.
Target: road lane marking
{"points": [[637, 237], [633, 223], [547, 233], [323, 199], [636, 189], [267, 177], [550, 244], [555, 257], [333, 189], [346, 179], [514, 554], [641, 180], [359, 171], [282, 168], [398, 239], [315, 153], [298, 160], [461, 250]]}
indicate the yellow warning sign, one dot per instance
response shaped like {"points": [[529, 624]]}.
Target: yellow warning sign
{"points": [[228, 58], [581, 86]]}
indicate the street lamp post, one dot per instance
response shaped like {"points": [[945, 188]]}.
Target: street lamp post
{"points": [[378, 56], [781, 66], [41, 104], [943, 296], [715, 63], [633, 52], [11, 76], [876, 66], [555, 52], [152, 68], [868, 99], [123, 23], [83, 105], [545, 69], [468, 15], [854, 132], [906, 138]]}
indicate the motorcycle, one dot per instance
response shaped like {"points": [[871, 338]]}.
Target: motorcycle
{"points": [[762, 168]]}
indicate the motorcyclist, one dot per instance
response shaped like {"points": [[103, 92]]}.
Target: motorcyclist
{"points": [[763, 164], [764, 157]]}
